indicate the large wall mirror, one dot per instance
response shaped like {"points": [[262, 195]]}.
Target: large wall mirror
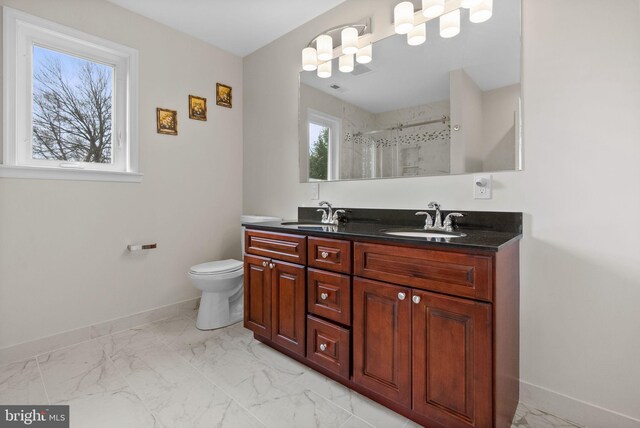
{"points": [[448, 106]]}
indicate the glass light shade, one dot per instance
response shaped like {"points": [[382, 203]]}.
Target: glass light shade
{"points": [[349, 38], [324, 69], [450, 24], [364, 54], [345, 63], [481, 12], [309, 59], [417, 35], [403, 17], [324, 45], [468, 4], [432, 8]]}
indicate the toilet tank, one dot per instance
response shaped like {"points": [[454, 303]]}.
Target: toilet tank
{"points": [[245, 218]]}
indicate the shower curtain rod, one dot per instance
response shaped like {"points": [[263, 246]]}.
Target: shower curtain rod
{"points": [[400, 127]]}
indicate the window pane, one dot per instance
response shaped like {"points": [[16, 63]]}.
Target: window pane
{"points": [[72, 108], [318, 151]]}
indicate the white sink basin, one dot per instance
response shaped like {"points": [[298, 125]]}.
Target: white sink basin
{"points": [[305, 224], [418, 233]]}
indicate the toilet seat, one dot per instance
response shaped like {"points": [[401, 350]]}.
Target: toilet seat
{"points": [[218, 267]]}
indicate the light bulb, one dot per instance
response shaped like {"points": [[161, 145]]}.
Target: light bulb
{"points": [[417, 35], [468, 4], [403, 17], [345, 63], [450, 24], [324, 44], [309, 59], [324, 69], [481, 12], [349, 38], [432, 8], [364, 54]]}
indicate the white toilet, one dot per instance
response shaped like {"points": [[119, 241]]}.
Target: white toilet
{"points": [[222, 286]]}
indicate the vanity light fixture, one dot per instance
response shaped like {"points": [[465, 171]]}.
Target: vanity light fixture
{"points": [[411, 23], [354, 40], [345, 63], [417, 35]]}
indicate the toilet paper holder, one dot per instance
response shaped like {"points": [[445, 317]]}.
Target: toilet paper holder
{"points": [[140, 247]]}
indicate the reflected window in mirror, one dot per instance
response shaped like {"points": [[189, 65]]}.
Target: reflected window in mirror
{"points": [[324, 132]]}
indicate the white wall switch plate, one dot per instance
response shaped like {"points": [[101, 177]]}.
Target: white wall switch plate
{"points": [[315, 191], [482, 186]]}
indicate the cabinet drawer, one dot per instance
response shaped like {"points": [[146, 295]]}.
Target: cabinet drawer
{"points": [[465, 275], [329, 295], [281, 246], [328, 345], [330, 254]]}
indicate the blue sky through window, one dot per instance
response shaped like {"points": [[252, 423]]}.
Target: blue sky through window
{"points": [[72, 107]]}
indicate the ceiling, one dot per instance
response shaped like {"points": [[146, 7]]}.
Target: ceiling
{"points": [[237, 26], [403, 76]]}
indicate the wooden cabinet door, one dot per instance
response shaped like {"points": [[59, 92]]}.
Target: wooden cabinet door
{"points": [[382, 339], [257, 295], [452, 368], [288, 311]]}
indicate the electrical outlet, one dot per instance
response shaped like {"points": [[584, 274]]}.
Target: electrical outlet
{"points": [[482, 186], [315, 191]]}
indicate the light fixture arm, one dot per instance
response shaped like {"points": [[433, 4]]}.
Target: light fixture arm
{"points": [[362, 27]]}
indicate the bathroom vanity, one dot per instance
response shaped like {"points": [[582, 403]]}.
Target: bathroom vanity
{"points": [[428, 327]]}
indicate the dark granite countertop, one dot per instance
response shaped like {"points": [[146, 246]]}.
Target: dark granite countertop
{"points": [[484, 230]]}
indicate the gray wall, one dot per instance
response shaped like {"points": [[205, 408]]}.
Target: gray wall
{"points": [[63, 258]]}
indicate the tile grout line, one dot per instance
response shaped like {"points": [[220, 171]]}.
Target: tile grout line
{"points": [[153, 414], [204, 376], [46, 394]]}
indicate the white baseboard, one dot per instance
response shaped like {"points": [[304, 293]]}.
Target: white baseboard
{"points": [[32, 348], [583, 413]]}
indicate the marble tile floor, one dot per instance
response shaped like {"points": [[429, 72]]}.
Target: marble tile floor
{"points": [[169, 374]]}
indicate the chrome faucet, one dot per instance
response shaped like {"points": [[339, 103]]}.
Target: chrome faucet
{"points": [[429, 223], [438, 220], [328, 215]]}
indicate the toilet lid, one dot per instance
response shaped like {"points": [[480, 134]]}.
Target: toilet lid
{"points": [[219, 266]]}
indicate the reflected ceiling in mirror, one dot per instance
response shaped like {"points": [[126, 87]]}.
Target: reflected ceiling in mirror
{"points": [[448, 106]]}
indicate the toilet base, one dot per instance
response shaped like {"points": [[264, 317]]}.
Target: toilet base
{"points": [[217, 311]]}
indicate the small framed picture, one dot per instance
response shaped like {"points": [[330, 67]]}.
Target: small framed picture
{"points": [[223, 95], [197, 108], [167, 121]]}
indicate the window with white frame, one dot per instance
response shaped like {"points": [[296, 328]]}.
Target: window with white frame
{"points": [[70, 103], [324, 134]]}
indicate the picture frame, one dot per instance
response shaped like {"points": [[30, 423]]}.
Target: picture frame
{"points": [[223, 95], [167, 121], [197, 108]]}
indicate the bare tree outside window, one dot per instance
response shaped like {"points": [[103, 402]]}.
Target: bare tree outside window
{"points": [[72, 108]]}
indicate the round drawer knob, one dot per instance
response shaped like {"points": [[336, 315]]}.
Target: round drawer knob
{"points": [[324, 254], [324, 296], [271, 265], [401, 296], [416, 299], [264, 264], [323, 346]]}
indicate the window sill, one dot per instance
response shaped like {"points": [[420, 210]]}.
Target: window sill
{"points": [[12, 171]]}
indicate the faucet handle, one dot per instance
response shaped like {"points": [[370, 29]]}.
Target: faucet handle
{"points": [[336, 217], [324, 214], [428, 222], [448, 223]]}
